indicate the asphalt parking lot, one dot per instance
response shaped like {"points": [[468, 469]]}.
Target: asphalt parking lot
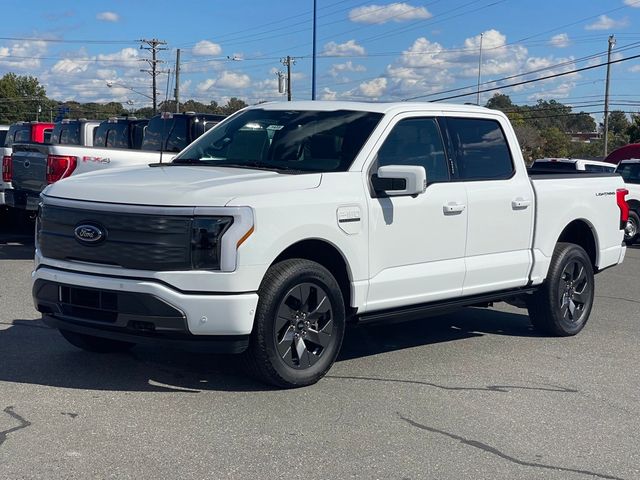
{"points": [[471, 395]]}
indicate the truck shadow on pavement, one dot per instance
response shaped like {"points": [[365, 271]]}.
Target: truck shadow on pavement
{"points": [[32, 353], [16, 247]]}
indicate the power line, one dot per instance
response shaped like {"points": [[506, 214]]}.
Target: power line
{"points": [[154, 46], [524, 82]]}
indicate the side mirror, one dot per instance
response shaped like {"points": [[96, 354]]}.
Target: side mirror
{"points": [[396, 180]]}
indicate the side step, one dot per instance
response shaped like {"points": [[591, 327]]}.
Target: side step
{"points": [[414, 312]]}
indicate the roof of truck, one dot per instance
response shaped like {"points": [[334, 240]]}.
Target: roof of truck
{"points": [[379, 107]]}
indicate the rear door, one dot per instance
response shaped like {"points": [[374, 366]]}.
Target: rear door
{"points": [[500, 205]]}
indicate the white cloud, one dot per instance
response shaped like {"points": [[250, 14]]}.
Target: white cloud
{"points": [[632, 3], [607, 23], [345, 49], [206, 48], [342, 68], [233, 80], [328, 94], [225, 80], [108, 17], [560, 40], [393, 12], [635, 69], [68, 65], [23, 55], [374, 88]]}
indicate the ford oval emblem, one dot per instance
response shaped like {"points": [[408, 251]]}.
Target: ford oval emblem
{"points": [[86, 233], [27, 164]]}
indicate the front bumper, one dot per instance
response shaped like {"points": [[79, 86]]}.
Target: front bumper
{"points": [[144, 308]]}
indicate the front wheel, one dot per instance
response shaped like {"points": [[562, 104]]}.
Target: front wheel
{"points": [[299, 324], [631, 229], [562, 305], [95, 344]]}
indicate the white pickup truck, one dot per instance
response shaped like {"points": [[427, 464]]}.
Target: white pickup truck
{"points": [[287, 220], [35, 166]]}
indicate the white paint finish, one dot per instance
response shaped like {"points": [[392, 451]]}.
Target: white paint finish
{"points": [[412, 238], [408, 249], [349, 218], [226, 314]]}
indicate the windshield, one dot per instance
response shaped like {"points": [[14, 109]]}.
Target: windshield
{"points": [[302, 141], [630, 172]]}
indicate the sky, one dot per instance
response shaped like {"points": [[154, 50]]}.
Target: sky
{"points": [[366, 50]]}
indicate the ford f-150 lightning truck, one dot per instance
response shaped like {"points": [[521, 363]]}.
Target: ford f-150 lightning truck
{"points": [[288, 220]]}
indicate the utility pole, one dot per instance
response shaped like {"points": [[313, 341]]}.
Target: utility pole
{"points": [[177, 90], [612, 42], [281, 87], [479, 70], [313, 65], [153, 45], [287, 62]]}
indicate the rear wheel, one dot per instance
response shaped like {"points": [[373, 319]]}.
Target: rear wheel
{"points": [[631, 229], [562, 305], [95, 344], [299, 325]]}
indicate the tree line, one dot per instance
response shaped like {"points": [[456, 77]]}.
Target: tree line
{"points": [[23, 98], [546, 129]]}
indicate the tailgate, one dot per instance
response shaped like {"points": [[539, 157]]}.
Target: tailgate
{"points": [[29, 168]]}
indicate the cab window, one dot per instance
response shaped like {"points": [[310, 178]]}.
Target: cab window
{"points": [[416, 141]]}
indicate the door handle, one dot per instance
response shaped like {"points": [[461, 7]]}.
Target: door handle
{"points": [[520, 203], [453, 208]]}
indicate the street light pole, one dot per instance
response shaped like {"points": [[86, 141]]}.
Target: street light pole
{"points": [[612, 42]]}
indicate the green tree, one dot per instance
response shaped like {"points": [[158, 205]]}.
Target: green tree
{"points": [[556, 143], [618, 122], [634, 129], [21, 98], [500, 101], [233, 105]]}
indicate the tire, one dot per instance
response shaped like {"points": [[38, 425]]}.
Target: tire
{"points": [[299, 325], [95, 344], [562, 305], [631, 230]]}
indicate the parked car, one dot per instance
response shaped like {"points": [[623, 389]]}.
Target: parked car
{"points": [[287, 220], [630, 172], [125, 132], [38, 132], [36, 166], [573, 165], [626, 152]]}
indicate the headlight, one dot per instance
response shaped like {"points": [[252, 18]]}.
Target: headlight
{"points": [[206, 245]]}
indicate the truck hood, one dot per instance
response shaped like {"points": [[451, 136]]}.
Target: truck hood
{"points": [[191, 186]]}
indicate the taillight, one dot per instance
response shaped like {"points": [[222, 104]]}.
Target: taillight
{"points": [[59, 167], [7, 170], [623, 206]]}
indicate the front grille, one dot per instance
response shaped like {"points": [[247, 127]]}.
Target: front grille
{"points": [[131, 240], [134, 311]]}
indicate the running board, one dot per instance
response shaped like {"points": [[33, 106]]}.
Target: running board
{"points": [[415, 312]]}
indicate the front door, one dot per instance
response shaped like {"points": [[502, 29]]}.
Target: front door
{"points": [[416, 244]]}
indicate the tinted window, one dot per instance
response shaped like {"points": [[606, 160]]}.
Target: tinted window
{"points": [[480, 148], [416, 141], [564, 166], [173, 130], [597, 168], [630, 172], [303, 141], [112, 135], [3, 136], [66, 133], [22, 134]]}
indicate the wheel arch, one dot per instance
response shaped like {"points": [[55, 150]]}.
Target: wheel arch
{"points": [[329, 256], [581, 232]]}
